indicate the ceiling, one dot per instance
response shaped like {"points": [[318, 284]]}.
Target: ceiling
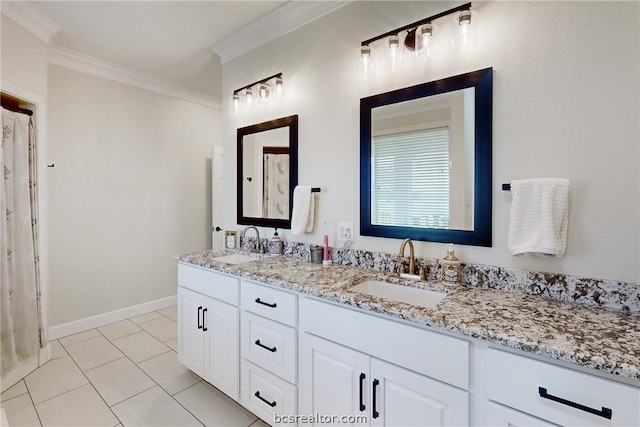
{"points": [[167, 40]]}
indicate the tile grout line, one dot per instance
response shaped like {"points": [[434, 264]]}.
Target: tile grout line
{"points": [[32, 402], [123, 356], [100, 334], [94, 388], [154, 381]]}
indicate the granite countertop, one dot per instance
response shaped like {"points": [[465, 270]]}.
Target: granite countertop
{"points": [[599, 338]]}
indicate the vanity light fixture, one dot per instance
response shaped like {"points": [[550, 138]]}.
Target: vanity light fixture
{"points": [[419, 38], [263, 90]]}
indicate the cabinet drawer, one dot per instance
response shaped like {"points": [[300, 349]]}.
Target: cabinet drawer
{"points": [[270, 345], [266, 395], [272, 303], [429, 353], [216, 285], [518, 382], [501, 416]]}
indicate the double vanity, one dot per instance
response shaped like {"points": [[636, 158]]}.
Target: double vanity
{"points": [[295, 342]]}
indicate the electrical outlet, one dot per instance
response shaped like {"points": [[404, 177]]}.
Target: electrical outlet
{"points": [[345, 231]]}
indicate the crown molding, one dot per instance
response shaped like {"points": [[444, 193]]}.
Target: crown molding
{"points": [[30, 18], [281, 21], [97, 67]]}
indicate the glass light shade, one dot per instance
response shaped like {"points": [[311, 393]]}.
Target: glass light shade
{"points": [[235, 104], [249, 96], [426, 44], [279, 85], [365, 62], [264, 91], [465, 30], [394, 54]]}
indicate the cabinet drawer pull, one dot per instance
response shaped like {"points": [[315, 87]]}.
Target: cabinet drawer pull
{"points": [[274, 305], [604, 412], [272, 404], [204, 327], [271, 349], [199, 311], [375, 413], [362, 407]]}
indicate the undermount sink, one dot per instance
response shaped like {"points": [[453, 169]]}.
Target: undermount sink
{"points": [[406, 294], [235, 259]]}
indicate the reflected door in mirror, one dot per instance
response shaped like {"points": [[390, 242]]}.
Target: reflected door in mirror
{"points": [[267, 172]]}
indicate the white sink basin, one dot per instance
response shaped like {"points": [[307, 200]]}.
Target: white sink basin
{"points": [[235, 259], [406, 294]]}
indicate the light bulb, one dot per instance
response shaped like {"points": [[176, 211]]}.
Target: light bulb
{"points": [[464, 18]]}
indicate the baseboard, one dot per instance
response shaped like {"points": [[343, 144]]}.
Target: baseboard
{"points": [[87, 323]]}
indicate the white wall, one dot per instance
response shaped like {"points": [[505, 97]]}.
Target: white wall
{"points": [[130, 188], [24, 58], [566, 104]]}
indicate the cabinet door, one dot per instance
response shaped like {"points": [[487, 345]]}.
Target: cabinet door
{"points": [[334, 381], [404, 398], [190, 333], [501, 416], [222, 346]]}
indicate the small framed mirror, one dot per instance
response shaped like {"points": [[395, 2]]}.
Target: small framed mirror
{"points": [[425, 161], [267, 172]]}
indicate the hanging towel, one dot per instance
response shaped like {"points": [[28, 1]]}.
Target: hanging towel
{"points": [[303, 210], [539, 216]]}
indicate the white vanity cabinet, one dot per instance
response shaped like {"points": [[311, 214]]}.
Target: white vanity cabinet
{"points": [[354, 364], [554, 395], [269, 350], [208, 331]]}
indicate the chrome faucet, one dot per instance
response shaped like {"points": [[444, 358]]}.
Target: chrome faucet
{"points": [[412, 260], [256, 247]]}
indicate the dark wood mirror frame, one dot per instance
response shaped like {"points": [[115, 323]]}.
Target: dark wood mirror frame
{"points": [[292, 123], [482, 81]]}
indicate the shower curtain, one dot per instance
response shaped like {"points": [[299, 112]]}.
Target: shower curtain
{"points": [[21, 327]]}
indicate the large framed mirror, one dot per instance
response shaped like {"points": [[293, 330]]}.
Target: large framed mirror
{"points": [[425, 161], [267, 172]]}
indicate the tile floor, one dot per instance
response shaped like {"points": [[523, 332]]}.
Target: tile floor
{"points": [[123, 374]]}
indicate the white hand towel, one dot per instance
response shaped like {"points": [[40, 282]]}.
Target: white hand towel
{"points": [[539, 216], [303, 210]]}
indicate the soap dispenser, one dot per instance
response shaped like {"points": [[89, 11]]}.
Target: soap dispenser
{"points": [[277, 245], [451, 269]]}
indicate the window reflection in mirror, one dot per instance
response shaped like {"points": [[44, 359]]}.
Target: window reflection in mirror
{"points": [[422, 162], [425, 161]]}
